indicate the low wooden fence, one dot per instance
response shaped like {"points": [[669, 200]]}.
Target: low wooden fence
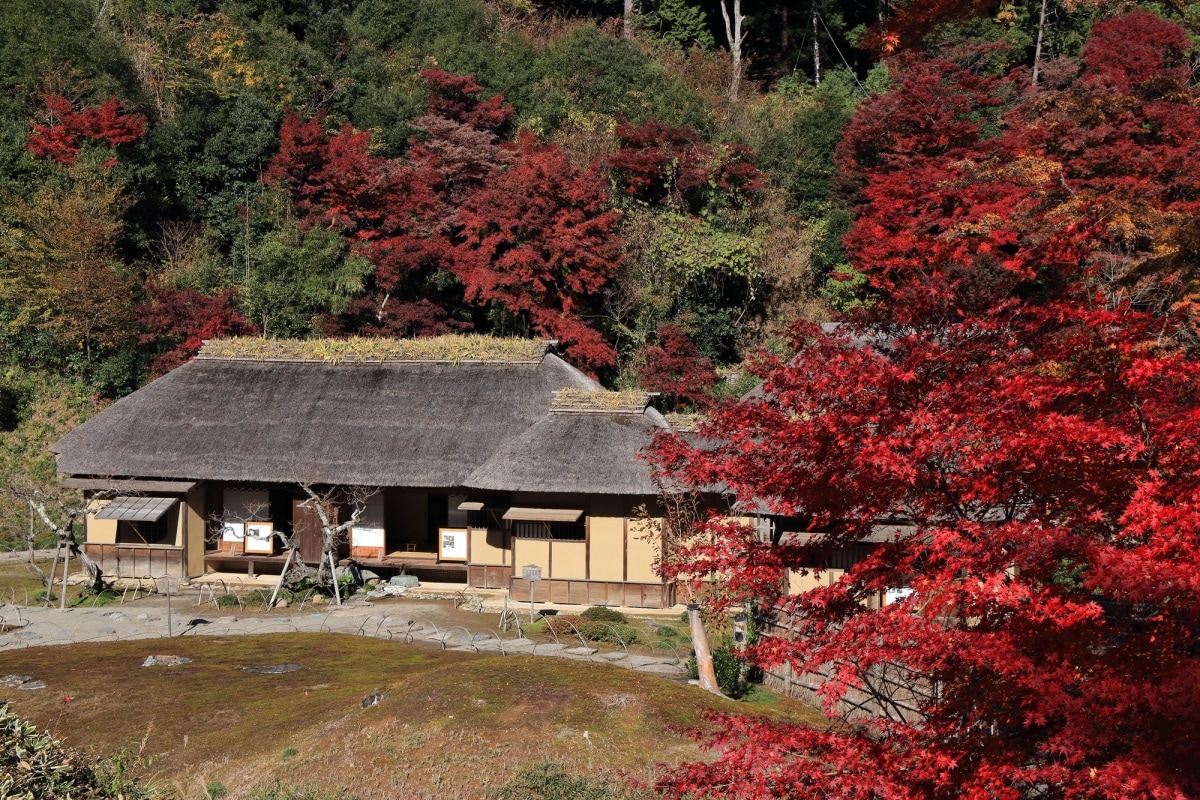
{"points": [[887, 690]]}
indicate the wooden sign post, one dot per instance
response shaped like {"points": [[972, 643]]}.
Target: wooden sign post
{"points": [[531, 573]]}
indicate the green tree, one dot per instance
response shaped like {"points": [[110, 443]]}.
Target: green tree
{"points": [[64, 274], [294, 275]]}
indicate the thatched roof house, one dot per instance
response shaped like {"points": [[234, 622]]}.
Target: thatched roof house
{"points": [[458, 431]]}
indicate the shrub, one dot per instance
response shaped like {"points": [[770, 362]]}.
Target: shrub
{"points": [[609, 632], [284, 791], [564, 625], [548, 781], [604, 614], [227, 601], [90, 598], [33, 764], [729, 671]]}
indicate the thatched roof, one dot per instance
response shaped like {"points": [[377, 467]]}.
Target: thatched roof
{"points": [[573, 452], [405, 423]]}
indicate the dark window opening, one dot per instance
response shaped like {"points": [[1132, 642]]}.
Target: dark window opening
{"points": [[159, 531], [569, 531]]}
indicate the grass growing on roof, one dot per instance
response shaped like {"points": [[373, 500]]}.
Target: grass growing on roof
{"points": [[453, 348], [572, 399]]}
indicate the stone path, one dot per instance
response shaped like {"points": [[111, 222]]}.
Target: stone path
{"points": [[421, 623]]}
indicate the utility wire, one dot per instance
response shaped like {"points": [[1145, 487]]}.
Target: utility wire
{"points": [[833, 41]]}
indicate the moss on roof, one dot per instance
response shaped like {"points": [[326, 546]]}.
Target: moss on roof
{"points": [[684, 423], [451, 348], [569, 399]]}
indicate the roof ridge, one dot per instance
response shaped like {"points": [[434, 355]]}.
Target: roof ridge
{"points": [[600, 401], [446, 349]]}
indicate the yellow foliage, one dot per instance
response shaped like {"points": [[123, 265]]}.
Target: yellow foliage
{"points": [[1032, 170]]}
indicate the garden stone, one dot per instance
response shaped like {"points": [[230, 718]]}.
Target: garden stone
{"points": [[644, 661], [165, 661], [405, 581], [581, 651], [30, 685], [273, 669], [614, 655], [518, 644], [661, 669], [15, 680]]}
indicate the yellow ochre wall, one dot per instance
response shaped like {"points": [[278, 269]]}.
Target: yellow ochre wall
{"points": [[487, 548], [643, 541], [100, 531], [195, 532], [607, 551], [532, 551], [568, 560]]}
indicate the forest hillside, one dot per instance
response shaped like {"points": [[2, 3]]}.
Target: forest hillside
{"points": [[663, 187]]}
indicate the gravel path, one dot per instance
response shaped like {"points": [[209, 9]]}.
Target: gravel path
{"points": [[427, 623]]}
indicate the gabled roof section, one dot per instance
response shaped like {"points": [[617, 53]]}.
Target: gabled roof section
{"points": [[590, 453]]}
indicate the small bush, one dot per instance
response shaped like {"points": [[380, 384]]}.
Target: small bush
{"points": [[607, 632], [604, 614], [728, 669], [90, 598], [33, 764], [666, 632], [548, 781], [227, 601], [564, 625], [284, 791]]}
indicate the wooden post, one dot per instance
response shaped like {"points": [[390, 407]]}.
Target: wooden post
{"points": [[62, 601], [287, 563], [53, 570], [337, 593], [704, 664]]}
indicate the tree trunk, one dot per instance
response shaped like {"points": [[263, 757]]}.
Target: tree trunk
{"points": [[627, 21], [1037, 51], [704, 663], [735, 36], [816, 49]]}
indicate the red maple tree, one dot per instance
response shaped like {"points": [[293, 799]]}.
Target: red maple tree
{"points": [[1023, 424], [515, 224], [67, 130], [675, 368], [179, 320], [538, 240]]}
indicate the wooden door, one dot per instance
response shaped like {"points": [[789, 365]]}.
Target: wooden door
{"points": [[306, 530]]}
